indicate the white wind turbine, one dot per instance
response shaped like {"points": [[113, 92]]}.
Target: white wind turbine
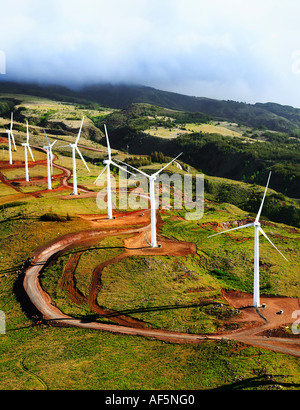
{"points": [[108, 162], [152, 178], [48, 148], [26, 146], [11, 138], [257, 231], [74, 149]]}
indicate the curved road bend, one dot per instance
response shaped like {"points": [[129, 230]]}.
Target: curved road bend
{"points": [[44, 303]]}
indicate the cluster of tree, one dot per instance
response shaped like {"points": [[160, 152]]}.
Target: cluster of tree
{"points": [[140, 117], [278, 208], [251, 162], [6, 107], [140, 161], [158, 157]]}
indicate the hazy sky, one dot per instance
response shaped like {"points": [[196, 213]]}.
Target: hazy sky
{"points": [[244, 50]]}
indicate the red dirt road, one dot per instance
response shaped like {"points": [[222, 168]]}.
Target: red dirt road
{"points": [[254, 329], [258, 325]]}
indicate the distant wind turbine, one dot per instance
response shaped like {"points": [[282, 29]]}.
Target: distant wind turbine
{"points": [[74, 149], [26, 146], [152, 178], [11, 138], [257, 230], [48, 148], [108, 162]]}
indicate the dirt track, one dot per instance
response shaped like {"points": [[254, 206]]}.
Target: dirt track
{"points": [[43, 302], [258, 325], [255, 324]]}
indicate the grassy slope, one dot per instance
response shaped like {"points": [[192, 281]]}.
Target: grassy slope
{"points": [[78, 359]]}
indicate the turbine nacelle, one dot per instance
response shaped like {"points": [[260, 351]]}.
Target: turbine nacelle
{"points": [[10, 138], [257, 230], [107, 163], [74, 149], [152, 178]]}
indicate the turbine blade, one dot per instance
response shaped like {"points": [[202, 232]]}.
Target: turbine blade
{"points": [[108, 144], [138, 170], [51, 156], [30, 153], [51, 145], [11, 120], [64, 146], [263, 200], [158, 172], [77, 139], [233, 229], [77, 149], [99, 176], [124, 169], [260, 230], [48, 142], [13, 139]]}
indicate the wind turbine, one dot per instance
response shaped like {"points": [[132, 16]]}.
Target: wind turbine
{"points": [[257, 231], [26, 146], [74, 149], [48, 148], [11, 138], [108, 162], [152, 178]]}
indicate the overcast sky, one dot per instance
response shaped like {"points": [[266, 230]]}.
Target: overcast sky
{"points": [[244, 50]]}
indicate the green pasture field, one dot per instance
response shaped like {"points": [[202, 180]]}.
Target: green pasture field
{"points": [[18, 155], [178, 293], [86, 359], [174, 132]]}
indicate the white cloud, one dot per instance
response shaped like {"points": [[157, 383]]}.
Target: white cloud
{"points": [[232, 49]]}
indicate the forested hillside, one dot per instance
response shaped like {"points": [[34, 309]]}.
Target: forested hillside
{"points": [[273, 116]]}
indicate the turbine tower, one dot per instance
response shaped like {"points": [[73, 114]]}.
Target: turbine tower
{"points": [[26, 146], [48, 148], [108, 162], [152, 178], [10, 137], [257, 231], [74, 149]]}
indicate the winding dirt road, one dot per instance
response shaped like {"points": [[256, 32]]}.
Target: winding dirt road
{"points": [[255, 324], [43, 302], [258, 325]]}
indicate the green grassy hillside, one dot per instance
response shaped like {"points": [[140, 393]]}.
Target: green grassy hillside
{"points": [[270, 115], [165, 291], [178, 293]]}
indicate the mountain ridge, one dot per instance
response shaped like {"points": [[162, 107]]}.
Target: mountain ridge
{"points": [[277, 117]]}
